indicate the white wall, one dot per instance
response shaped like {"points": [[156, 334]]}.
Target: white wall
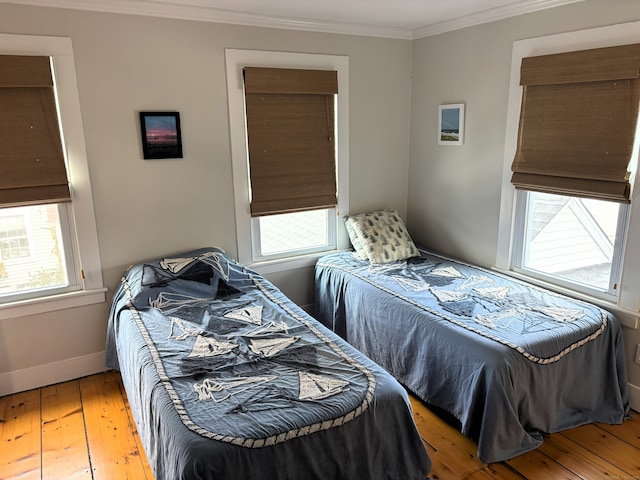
{"points": [[148, 208], [454, 191]]}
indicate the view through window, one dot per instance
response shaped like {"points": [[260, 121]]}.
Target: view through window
{"points": [[31, 249], [572, 239], [299, 232]]}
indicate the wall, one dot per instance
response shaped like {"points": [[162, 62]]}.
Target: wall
{"points": [[148, 208], [144, 209], [454, 191]]}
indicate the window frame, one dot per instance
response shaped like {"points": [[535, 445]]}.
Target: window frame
{"points": [[625, 306], [235, 61], [81, 226]]}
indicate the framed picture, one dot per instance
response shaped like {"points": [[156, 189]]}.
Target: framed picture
{"points": [[451, 124], [161, 136]]}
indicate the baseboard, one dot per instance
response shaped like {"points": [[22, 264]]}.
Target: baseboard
{"points": [[50, 373]]}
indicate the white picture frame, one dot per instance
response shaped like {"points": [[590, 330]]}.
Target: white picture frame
{"points": [[451, 124]]}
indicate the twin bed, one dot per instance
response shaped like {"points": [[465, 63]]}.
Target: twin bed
{"points": [[509, 360], [228, 379]]}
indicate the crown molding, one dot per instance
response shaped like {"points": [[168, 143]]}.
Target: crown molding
{"points": [[153, 8], [486, 16], [167, 9]]}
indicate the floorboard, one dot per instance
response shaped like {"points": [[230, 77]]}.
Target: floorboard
{"points": [[111, 439], [84, 430], [64, 445], [20, 436]]}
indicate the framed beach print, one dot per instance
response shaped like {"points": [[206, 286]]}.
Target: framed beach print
{"points": [[451, 124], [161, 137]]}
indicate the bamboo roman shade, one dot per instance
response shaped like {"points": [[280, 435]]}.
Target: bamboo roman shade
{"points": [[32, 166], [578, 122], [290, 130]]}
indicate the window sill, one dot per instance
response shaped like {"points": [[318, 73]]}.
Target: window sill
{"points": [[628, 318], [290, 263], [48, 304]]}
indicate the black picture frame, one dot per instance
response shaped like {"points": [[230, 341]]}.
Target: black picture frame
{"points": [[161, 135]]}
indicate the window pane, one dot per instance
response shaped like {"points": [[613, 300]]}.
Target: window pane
{"points": [[571, 238], [31, 250], [293, 231]]}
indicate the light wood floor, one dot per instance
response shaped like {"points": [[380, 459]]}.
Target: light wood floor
{"points": [[83, 429]]}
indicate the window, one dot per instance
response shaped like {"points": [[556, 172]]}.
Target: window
{"points": [[570, 240], [568, 204], [49, 256], [33, 175], [568, 144], [287, 234], [292, 175], [290, 234]]}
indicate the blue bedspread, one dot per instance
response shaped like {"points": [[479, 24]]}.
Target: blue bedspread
{"points": [[507, 359], [228, 379]]}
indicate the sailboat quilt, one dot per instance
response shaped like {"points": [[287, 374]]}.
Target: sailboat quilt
{"points": [[229, 379], [509, 360]]}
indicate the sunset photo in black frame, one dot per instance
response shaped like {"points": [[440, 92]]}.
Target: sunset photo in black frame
{"points": [[161, 136]]}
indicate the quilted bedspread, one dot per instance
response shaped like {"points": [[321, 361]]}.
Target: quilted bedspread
{"points": [[229, 379], [509, 360]]}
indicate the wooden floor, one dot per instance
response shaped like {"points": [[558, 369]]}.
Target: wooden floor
{"points": [[83, 429]]}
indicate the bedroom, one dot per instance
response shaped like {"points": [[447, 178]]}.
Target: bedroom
{"points": [[450, 196]]}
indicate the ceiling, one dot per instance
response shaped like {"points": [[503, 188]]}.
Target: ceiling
{"points": [[406, 19]]}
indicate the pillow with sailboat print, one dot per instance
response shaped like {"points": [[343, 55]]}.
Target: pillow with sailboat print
{"points": [[381, 236]]}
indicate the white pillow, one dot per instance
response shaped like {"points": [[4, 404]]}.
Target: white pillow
{"points": [[381, 236], [359, 247]]}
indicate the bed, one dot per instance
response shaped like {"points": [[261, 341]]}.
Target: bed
{"points": [[228, 379], [508, 360]]}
